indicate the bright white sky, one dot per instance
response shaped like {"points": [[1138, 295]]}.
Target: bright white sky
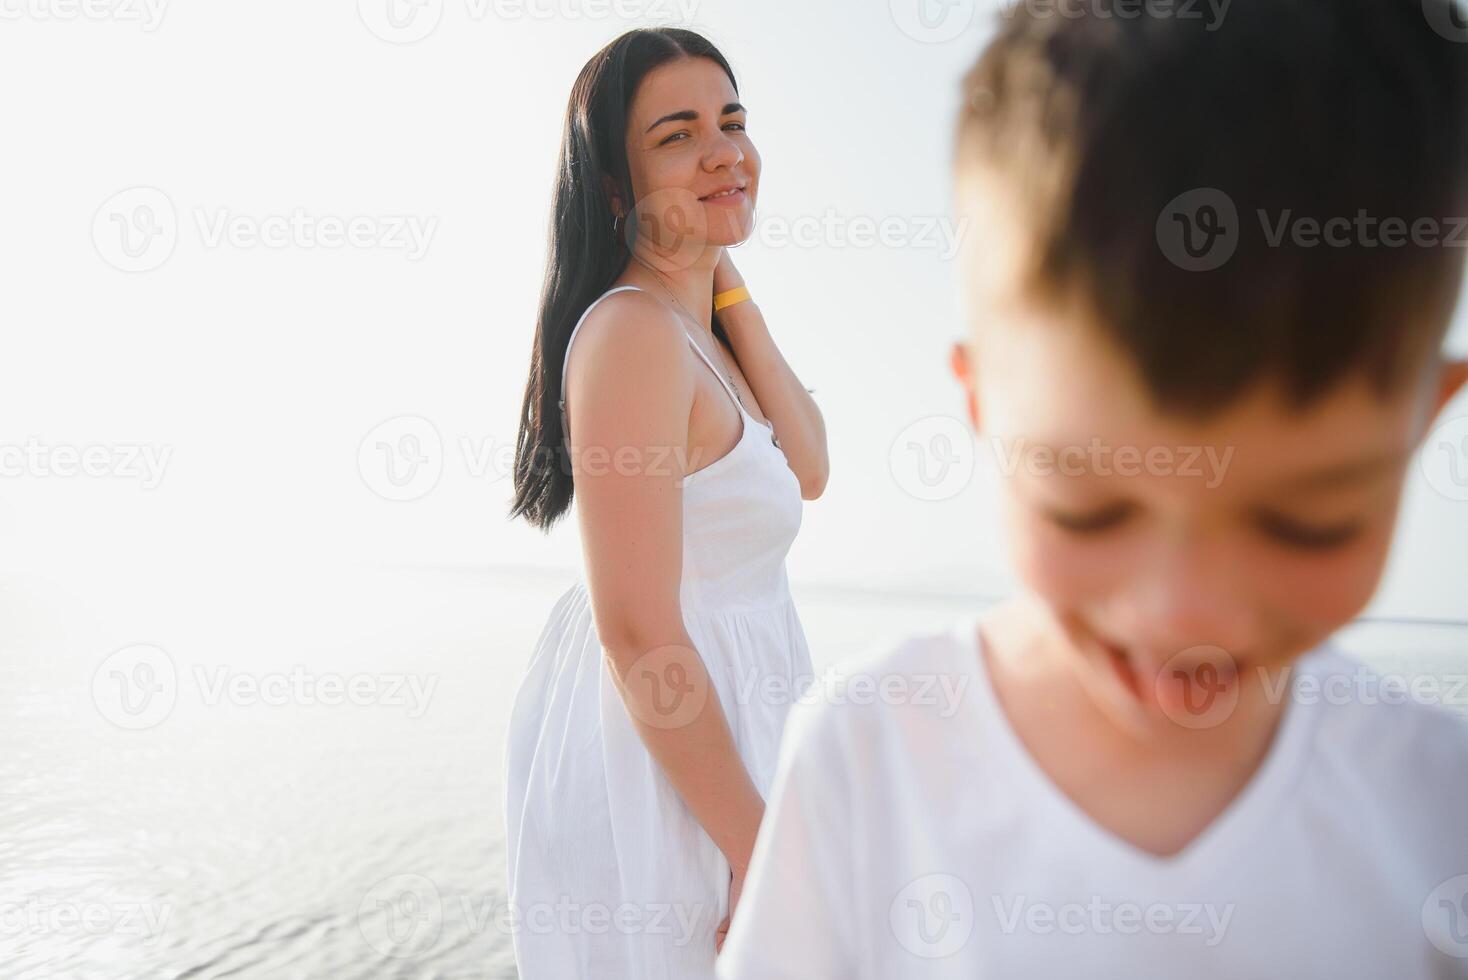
{"points": [[262, 369]]}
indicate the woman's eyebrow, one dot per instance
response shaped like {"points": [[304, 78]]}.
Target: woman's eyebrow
{"points": [[688, 115]]}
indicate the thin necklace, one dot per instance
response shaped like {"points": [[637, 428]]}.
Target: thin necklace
{"points": [[694, 320]]}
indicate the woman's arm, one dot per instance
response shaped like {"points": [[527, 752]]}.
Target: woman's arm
{"points": [[629, 440], [791, 409]]}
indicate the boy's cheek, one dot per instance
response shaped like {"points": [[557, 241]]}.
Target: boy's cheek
{"points": [[1058, 567], [1317, 594]]}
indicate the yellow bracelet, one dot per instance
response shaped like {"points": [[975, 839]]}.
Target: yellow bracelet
{"points": [[730, 296]]}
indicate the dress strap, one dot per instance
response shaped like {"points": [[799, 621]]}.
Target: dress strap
{"points": [[565, 422], [705, 358]]}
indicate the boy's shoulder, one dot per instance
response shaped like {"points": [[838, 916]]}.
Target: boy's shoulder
{"points": [[906, 684], [1402, 738], [1364, 701]]}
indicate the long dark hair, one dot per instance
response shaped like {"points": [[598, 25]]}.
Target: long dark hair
{"points": [[587, 249]]}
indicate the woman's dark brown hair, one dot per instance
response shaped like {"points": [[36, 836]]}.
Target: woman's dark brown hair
{"points": [[588, 250]]}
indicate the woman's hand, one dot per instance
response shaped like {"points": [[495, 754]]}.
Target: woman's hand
{"points": [[736, 885]]}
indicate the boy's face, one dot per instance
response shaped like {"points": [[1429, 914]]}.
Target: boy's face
{"points": [[1176, 554]]}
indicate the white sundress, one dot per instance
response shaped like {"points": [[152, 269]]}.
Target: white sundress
{"points": [[610, 875]]}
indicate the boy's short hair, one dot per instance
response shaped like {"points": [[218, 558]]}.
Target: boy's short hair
{"points": [[1115, 127]]}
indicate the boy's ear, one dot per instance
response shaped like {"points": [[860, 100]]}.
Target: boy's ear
{"points": [[1454, 377], [960, 364]]}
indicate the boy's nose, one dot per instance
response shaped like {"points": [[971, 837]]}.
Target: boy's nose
{"points": [[1191, 596]]}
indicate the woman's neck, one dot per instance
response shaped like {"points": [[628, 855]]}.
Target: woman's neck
{"points": [[689, 289]]}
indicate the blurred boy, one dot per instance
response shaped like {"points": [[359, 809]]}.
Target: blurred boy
{"points": [[1210, 271]]}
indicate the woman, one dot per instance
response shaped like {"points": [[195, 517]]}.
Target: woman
{"points": [[644, 734]]}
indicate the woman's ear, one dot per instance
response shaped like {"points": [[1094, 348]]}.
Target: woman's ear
{"points": [[610, 186], [959, 363]]}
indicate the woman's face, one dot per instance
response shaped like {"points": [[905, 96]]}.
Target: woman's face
{"points": [[694, 171]]}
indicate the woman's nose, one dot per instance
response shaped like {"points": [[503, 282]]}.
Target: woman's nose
{"points": [[724, 153]]}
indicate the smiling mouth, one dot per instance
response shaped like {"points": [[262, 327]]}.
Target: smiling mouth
{"points": [[724, 194]]}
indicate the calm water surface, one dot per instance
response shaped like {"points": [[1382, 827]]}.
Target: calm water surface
{"points": [[297, 774]]}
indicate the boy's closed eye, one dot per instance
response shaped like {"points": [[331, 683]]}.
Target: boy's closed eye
{"points": [[1277, 526]]}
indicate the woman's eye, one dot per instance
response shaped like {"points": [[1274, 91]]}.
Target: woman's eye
{"points": [[673, 137], [1090, 523], [1307, 536], [737, 125]]}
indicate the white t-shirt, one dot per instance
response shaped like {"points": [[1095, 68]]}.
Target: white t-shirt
{"points": [[909, 833]]}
